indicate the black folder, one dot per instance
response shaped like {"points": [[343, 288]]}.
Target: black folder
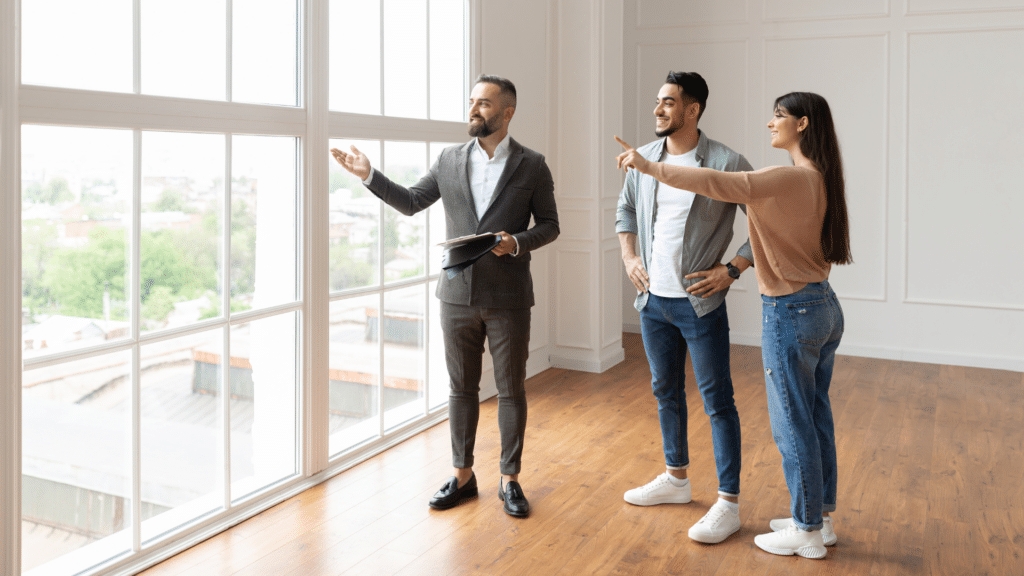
{"points": [[461, 253]]}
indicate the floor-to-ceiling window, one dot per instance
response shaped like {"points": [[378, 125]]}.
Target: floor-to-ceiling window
{"points": [[167, 256]]}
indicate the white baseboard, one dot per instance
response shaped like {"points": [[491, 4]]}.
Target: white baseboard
{"points": [[906, 354], [934, 357], [585, 361]]}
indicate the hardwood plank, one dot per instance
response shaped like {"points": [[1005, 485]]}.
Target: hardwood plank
{"points": [[381, 563], [952, 548]]}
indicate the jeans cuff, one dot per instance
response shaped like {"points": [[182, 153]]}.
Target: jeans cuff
{"points": [[671, 467], [724, 493]]}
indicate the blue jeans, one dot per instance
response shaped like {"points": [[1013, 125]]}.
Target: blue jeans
{"points": [[670, 327], [798, 346]]}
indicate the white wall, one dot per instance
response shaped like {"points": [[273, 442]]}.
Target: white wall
{"points": [[927, 97]]}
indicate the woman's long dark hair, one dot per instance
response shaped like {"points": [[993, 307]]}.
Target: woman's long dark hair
{"points": [[820, 145]]}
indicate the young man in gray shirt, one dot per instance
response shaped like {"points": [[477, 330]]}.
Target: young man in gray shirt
{"points": [[681, 285]]}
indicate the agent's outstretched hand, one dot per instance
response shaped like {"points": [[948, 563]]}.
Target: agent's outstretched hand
{"points": [[631, 159], [355, 162]]}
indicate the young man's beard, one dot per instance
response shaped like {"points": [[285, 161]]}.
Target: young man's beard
{"points": [[668, 131], [485, 128]]}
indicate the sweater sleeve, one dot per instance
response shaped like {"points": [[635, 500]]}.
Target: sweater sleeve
{"points": [[736, 187]]}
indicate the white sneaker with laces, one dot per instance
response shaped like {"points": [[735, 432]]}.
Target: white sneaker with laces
{"points": [[659, 491], [792, 540], [828, 532], [718, 524]]}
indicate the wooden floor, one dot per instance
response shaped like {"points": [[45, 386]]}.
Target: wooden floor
{"points": [[931, 459]]}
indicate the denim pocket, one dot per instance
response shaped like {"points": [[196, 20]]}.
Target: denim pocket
{"points": [[811, 321]]}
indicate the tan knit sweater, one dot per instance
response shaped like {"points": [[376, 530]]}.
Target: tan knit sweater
{"points": [[785, 212]]}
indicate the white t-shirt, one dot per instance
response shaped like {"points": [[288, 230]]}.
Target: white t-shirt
{"points": [[671, 208]]}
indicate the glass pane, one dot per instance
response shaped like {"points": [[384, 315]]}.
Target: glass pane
{"points": [[448, 91], [264, 393], [355, 56], [75, 44], [354, 222], [76, 462], [182, 219], [182, 439], [438, 379], [405, 164], [184, 48], [405, 58], [354, 372], [75, 222], [402, 329], [263, 55], [438, 230], [264, 254]]}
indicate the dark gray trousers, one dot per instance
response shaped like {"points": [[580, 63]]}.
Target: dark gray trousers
{"points": [[508, 332]]}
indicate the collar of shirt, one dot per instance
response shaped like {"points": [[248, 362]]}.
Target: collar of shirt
{"points": [[500, 151]]}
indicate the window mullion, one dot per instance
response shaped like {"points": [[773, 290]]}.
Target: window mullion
{"points": [[135, 291], [10, 295], [314, 156], [226, 309], [228, 67], [426, 24], [425, 335], [383, 112], [381, 300], [426, 286], [137, 46], [380, 359]]}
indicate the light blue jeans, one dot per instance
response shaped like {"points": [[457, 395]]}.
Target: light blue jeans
{"points": [[798, 346], [671, 327]]}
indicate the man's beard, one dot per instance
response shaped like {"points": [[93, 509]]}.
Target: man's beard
{"points": [[668, 131], [485, 128]]}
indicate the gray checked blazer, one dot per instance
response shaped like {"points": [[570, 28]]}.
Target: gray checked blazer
{"points": [[525, 189]]}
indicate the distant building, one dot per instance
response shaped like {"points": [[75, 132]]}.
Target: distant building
{"points": [[59, 331]]}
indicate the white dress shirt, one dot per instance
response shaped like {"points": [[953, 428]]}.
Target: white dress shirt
{"points": [[484, 173]]}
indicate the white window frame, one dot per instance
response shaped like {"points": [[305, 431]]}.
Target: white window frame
{"points": [[313, 125]]}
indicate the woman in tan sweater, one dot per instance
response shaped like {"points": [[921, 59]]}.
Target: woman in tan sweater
{"points": [[798, 229]]}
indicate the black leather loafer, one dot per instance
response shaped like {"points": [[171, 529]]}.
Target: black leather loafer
{"points": [[514, 499], [450, 494]]}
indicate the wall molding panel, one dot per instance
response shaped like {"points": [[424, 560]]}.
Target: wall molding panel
{"points": [[983, 243], [955, 7], [675, 13], [784, 11]]}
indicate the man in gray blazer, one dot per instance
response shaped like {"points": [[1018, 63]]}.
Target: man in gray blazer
{"points": [[490, 184], [681, 285]]}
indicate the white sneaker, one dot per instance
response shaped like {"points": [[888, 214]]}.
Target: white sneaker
{"points": [[792, 540], [828, 532], [659, 491], [718, 524]]}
